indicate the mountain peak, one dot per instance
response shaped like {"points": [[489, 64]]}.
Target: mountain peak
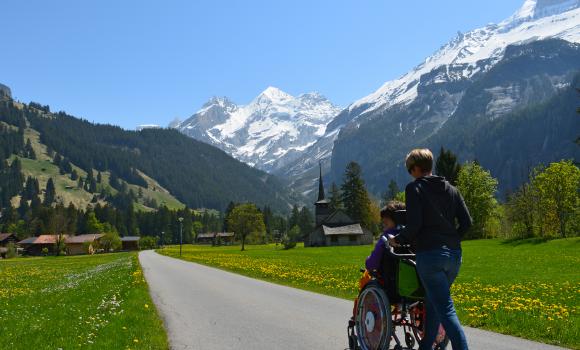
{"points": [[221, 101], [274, 94], [534, 9]]}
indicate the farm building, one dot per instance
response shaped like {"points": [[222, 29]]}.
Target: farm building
{"points": [[334, 227], [130, 242], [213, 237], [35, 245], [5, 239], [76, 245]]}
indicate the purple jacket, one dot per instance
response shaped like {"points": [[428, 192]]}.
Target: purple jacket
{"points": [[374, 260]]}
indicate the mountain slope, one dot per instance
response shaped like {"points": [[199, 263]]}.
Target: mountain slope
{"points": [[198, 174], [529, 77], [269, 132], [422, 101]]}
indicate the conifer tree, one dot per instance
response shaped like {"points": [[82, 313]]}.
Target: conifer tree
{"points": [[447, 166], [57, 160], [335, 197], [294, 216], [29, 151], [391, 193], [50, 193], [305, 222], [355, 197], [229, 209]]}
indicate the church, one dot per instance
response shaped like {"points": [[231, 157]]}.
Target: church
{"points": [[334, 227]]}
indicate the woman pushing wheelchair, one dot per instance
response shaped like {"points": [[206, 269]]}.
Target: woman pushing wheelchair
{"points": [[410, 272]]}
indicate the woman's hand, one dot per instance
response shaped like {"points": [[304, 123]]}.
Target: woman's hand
{"points": [[392, 241]]}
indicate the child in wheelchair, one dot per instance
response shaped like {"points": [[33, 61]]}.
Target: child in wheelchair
{"points": [[379, 264]]}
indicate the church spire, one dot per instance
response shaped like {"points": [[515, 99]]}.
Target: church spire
{"points": [[320, 184]]}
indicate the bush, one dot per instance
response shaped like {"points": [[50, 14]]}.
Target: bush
{"points": [[11, 251], [110, 241], [289, 239], [148, 242]]}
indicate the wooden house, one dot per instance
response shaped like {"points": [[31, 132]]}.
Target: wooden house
{"points": [[35, 245], [5, 239], [130, 242], [81, 244]]}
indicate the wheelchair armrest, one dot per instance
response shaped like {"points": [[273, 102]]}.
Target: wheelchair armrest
{"points": [[391, 249]]}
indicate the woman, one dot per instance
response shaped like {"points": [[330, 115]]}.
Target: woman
{"points": [[433, 205]]}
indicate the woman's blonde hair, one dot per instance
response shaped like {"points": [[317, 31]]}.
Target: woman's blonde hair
{"points": [[420, 157]]}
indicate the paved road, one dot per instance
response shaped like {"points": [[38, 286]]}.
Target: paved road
{"points": [[209, 309]]}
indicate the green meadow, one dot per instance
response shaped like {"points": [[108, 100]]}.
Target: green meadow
{"points": [[80, 302], [529, 289]]}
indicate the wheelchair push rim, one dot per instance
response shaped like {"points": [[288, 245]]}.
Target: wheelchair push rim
{"points": [[373, 323]]}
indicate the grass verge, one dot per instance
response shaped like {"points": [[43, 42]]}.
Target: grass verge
{"points": [[530, 290], [88, 302]]}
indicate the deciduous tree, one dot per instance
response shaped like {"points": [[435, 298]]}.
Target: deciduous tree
{"points": [[244, 220], [478, 188], [557, 187]]}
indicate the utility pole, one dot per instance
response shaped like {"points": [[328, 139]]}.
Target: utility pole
{"points": [[180, 234]]}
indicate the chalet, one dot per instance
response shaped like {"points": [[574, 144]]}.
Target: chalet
{"points": [[35, 245], [130, 242], [82, 244], [212, 238], [334, 227], [5, 239]]}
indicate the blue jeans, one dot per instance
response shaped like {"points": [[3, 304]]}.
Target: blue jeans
{"points": [[437, 270]]}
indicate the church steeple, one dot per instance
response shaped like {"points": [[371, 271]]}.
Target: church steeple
{"points": [[320, 185], [322, 206]]}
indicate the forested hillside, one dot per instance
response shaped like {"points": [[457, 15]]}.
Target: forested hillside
{"points": [[199, 175]]}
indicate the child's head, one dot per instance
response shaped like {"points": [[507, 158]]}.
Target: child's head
{"points": [[390, 219]]}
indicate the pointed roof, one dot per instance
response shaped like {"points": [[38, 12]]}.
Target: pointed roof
{"points": [[320, 185]]}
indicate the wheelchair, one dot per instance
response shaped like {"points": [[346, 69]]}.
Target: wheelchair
{"points": [[391, 307]]}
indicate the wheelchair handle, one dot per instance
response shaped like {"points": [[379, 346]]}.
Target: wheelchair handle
{"points": [[391, 249]]}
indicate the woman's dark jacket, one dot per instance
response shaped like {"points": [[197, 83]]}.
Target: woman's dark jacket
{"points": [[429, 228]]}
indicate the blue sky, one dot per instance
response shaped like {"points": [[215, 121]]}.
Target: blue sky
{"points": [[140, 62]]}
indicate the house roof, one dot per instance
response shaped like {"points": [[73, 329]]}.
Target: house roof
{"points": [[83, 238], [42, 239], [338, 218], [354, 229], [4, 236], [28, 240], [130, 239]]}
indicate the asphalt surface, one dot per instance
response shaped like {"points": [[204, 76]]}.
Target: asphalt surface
{"points": [[210, 309]]}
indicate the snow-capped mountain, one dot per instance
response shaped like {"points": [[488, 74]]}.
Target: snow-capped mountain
{"points": [[431, 93], [272, 130], [480, 49]]}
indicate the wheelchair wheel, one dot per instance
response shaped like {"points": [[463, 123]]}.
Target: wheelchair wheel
{"points": [[373, 322], [418, 315]]}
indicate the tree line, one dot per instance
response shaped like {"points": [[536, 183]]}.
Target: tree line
{"points": [[546, 206]]}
